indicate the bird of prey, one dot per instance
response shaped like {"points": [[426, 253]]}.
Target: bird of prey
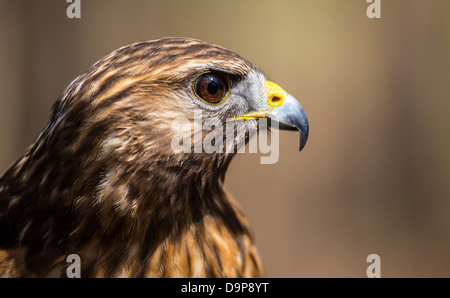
{"points": [[102, 181]]}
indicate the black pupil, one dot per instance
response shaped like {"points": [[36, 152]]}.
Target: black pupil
{"points": [[213, 86]]}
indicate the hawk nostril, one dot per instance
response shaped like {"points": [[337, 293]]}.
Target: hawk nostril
{"points": [[275, 101]]}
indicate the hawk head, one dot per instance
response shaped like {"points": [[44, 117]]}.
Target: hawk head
{"points": [[136, 96], [103, 180]]}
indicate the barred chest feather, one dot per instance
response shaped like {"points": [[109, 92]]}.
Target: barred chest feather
{"points": [[206, 249], [167, 225]]}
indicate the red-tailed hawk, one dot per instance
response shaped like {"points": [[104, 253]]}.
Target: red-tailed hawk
{"points": [[103, 182]]}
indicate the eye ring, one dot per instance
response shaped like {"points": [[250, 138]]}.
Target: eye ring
{"points": [[211, 87]]}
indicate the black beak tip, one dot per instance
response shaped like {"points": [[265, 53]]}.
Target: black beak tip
{"points": [[303, 139], [304, 132]]}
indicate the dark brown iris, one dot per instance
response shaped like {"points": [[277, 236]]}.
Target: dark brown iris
{"points": [[211, 86]]}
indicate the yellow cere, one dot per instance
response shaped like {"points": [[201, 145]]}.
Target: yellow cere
{"points": [[275, 98], [275, 94]]}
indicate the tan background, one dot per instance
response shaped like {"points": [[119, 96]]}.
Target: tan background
{"points": [[374, 176]]}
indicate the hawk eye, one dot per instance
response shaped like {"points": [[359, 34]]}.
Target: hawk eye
{"points": [[212, 87]]}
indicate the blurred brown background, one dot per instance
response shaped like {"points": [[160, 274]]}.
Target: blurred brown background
{"points": [[374, 176]]}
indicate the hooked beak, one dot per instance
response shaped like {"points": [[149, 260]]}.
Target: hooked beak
{"points": [[283, 109], [291, 116]]}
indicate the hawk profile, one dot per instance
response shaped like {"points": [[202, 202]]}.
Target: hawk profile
{"points": [[103, 182]]}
